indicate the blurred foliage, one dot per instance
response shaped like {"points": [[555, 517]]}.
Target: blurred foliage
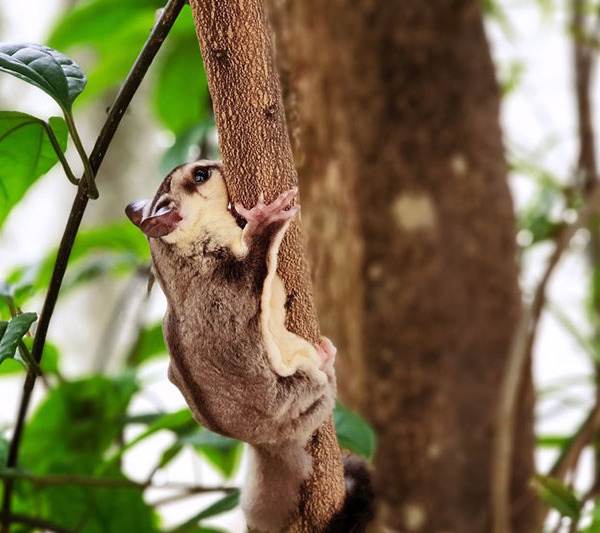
{"points": [[115, 31], [70, 462], [81, 425]]}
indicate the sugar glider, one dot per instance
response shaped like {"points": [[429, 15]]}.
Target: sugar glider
{"points": [[243, 374]]}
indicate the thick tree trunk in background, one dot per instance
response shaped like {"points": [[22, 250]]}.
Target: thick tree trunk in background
{"points": [[393, 109]]}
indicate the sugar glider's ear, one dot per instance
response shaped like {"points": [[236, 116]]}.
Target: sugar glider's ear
{"points": [[135, 211], [163, 222]]}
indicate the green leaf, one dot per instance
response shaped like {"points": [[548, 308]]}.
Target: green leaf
{"points": [[558, 496], [169, 454], [16, 365], [179, 422], [150, 345], [353, 432], [221, 452], [44, 67], [226, 503], [3, 326], [25, 154], [14, 332], [181, 98], [553, 441], [77, 422]]}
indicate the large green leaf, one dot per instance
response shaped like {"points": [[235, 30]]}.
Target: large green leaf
{"points": [[77, 422], [25, 154], [558, 496], [15, 330], [353, 432], [70, 433], [45, 68]]}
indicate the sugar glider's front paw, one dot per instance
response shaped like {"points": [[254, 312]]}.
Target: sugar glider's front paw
{"points": [[262, 215], [327, 351]]}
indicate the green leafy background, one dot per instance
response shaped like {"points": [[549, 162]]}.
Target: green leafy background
{"points": [[88, 426]]}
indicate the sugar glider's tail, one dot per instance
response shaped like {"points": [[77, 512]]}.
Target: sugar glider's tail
{"points": [[359, 507]]}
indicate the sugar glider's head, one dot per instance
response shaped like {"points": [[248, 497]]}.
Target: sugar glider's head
{"points": [[186, 201]]}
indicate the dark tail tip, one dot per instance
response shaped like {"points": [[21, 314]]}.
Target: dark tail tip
{"points": [[359, 507]]}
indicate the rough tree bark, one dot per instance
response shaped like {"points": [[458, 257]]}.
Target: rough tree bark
{"points": [[393, 109], [235, 40]]}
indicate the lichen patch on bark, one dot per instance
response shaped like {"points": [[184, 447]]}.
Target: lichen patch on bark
{"points": [[413, 211]]}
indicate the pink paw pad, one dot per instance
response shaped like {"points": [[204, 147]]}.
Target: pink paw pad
{"points": [[327, 351], [265, 214]]}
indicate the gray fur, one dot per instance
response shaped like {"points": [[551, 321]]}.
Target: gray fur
{"points": [[219, 363]]}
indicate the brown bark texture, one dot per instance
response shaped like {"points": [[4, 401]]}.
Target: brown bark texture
{"points": [[393, 112], [237, 49]]}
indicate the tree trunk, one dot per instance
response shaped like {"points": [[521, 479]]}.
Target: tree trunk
{"points": [[235, 40], [393, 110]]}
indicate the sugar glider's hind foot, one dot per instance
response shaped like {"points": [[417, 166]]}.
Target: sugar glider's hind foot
{"points": [[326, 349]]}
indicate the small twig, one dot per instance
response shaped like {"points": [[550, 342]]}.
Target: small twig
{"points": [[519, 353], [39, 523], [122, 101], [569, 457], [84, 481], [191, 492]]}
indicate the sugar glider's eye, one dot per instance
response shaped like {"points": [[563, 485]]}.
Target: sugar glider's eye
{"points": [[201, 174]]}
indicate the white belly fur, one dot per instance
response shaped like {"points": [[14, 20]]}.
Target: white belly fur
{"points": [[287, 351]]}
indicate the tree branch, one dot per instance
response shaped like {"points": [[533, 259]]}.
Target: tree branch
{"points": [[569, 457], [122, 101], [236, 43], [520, 351]]}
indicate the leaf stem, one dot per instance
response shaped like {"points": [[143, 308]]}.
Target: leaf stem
{"points": [[128, 90], [88, 173], [61, 157]]}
